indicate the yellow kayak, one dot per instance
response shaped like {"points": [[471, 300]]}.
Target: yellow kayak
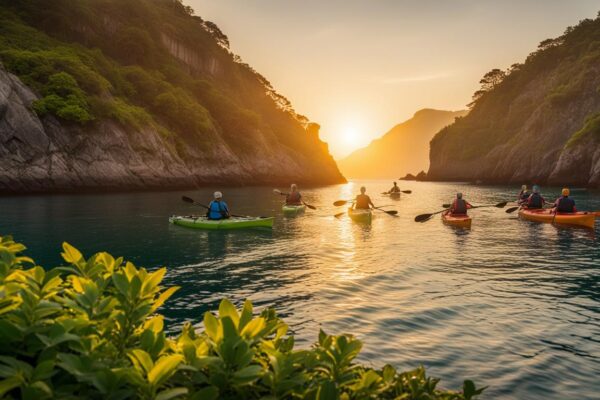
{"points": [[360, 215]]}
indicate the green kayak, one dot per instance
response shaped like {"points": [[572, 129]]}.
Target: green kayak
{"points": [[290, 211], [201, 222]]}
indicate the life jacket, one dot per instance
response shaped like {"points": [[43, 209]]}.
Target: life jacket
{"points": [[524, 195], [459, 206], [362, 201], [535, 201], [565, 204], [293, 198], [217, 210]]}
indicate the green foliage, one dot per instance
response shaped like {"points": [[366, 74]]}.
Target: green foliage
{"points": [[63, 98], [117, 54], [90, 330], [591, 128]]}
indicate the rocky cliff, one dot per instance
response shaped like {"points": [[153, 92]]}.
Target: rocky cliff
{"points": [[141, 94], [403, 149], [536, 122]]}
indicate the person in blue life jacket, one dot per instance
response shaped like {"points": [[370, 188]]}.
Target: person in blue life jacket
{"points": [[293, 198], [394, 189], [363, 201], [523, 195], [565, 204], [217, 209], [459, 205], [535, 200]]}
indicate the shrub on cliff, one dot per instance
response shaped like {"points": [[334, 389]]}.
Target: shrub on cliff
{"points": [[90, 330]]}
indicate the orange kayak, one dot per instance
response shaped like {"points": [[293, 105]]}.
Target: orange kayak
{"points": [[458, 220], [581, 218]]}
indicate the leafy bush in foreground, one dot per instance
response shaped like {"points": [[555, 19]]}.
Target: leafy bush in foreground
{"points": [[89, 330]]}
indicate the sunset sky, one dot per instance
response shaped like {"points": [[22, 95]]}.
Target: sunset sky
{"points": [[360, 67]]}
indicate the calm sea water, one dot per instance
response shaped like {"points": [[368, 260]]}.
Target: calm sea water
{"points": [[511, 304]]}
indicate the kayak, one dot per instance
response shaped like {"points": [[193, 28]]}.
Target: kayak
{"points": [[458, 220], [201, 222], [290, 210], [581, 218], [360, 215], [393, 195]]}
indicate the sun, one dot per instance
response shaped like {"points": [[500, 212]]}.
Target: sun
{"points": [[350, 135]]}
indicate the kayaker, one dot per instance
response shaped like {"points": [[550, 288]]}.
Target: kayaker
{"points": [[535, 200], [565, 204], [363, 202], [293, 198], [394, 189], [217, 209], [523, 195], [459, 205]]}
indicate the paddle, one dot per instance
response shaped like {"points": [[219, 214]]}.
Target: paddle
{"points": [[426, 217], [277, 191], [499, 205], [392, 212], [194, 202], [403, 191], [341, 202], [512, 209]]}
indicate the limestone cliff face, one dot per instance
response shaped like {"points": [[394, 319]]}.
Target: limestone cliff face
{"points": [[538, 125], [140, 95], [48, 155]]}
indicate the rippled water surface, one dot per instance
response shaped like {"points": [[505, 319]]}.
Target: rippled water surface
{"points": [[511, 304]]}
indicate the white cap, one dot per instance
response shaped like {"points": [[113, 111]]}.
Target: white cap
{"points": [[218, 195]]}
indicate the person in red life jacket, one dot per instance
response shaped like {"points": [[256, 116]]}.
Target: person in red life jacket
{"points": [[459, 205], [293, 198], [217, 209], [363, 202], [565, 204], [523, 195], [535, 200]]}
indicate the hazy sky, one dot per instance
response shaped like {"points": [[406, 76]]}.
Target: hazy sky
{"points": [[360, 67]]}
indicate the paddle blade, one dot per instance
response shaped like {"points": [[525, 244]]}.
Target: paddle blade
{"points": [[446, 205], [338, 215], [276, 191], [511, 210], [339, 203], [407, 191], [311, 207], [501, 205], [187, 199], [392, 212], [422, 217]]}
